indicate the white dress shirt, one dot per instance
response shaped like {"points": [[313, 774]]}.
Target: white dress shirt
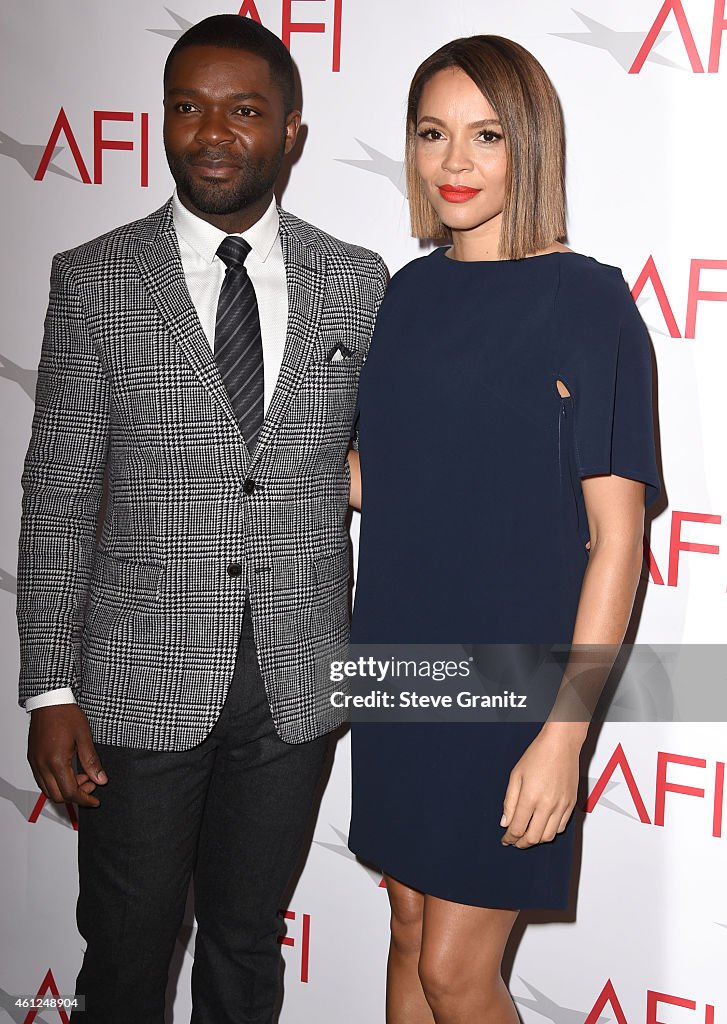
{"points": [[204, 273]]}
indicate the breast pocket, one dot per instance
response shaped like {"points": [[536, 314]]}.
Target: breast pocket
{"points": [[334, 383]]}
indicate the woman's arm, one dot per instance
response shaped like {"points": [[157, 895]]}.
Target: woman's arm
{"points": [[354, 465], [541, 793]]}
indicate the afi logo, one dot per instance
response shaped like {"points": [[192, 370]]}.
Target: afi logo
{"points": [[619, 762], [653, 1001], [289, 26], [676, 7], [47, 988], [623, 44], [302, 942], [696, 293], [62, 126], [677, 544], [40, 804]]}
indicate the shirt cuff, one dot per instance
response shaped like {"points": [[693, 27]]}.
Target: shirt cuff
{"points": [[63, 695]]}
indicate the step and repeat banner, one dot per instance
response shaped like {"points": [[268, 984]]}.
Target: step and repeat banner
{"points": [[642, 83]]}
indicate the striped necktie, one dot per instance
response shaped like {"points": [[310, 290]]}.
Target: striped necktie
{"points": [[238, 341]]}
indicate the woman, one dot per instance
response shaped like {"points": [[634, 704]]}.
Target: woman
{"points": [[506, 450]]}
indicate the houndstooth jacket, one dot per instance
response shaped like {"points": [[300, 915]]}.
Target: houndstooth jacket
{"points": [[141, 615]]}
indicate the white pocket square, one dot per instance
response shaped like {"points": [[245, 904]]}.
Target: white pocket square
{"points": [[339, 353]]}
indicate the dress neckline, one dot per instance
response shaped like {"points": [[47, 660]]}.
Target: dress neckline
{"points": [[443, 250]]}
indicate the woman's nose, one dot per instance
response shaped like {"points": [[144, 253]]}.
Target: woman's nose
{"points": [[457, 158]]}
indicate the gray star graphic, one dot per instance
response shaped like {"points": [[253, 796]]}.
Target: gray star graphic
{"points": [[26, 379], [380, 163], [623, 46], [24, 801], [8, 582], [343, 851], [642, 301], [29, 157], [172, 33], [546, 1007], [592, 780], [17, 1013]]}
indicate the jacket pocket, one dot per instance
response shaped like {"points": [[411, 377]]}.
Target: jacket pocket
{"points": [[121, 587], [331, 608]]}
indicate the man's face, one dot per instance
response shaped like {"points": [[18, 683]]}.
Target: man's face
{"points": [[225, 133]]}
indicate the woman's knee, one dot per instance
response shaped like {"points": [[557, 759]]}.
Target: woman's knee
{"points": [[440, 976], [407, 913], [448, 977]]}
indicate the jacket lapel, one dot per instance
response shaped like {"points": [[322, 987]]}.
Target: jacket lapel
{"points": [[305, 271], [161, 271], [160, 267]]}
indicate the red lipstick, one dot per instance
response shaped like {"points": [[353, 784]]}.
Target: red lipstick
{"points": [[457, 193]]}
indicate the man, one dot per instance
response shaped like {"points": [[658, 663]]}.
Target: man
{"points": [[205, 361]]}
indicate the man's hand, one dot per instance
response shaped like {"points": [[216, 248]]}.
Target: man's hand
{"points": [[57, 733]]}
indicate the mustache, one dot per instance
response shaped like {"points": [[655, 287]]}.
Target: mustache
{"points": [[218, 156]]}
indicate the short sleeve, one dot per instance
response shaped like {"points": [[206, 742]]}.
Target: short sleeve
{"points": [[614, 424]]}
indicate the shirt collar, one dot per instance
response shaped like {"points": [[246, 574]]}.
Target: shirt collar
{"points": [[205, 238]]}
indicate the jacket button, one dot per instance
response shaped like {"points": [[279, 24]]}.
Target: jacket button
{"points": [[249, 487], [234, 569]]}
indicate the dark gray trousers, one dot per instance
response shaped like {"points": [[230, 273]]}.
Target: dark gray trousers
{"points": [[232, 813]]}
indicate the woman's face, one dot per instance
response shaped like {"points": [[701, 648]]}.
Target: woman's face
{"points": [[460, 153]]}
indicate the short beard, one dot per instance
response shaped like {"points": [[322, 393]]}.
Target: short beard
{"points": [[222, 198]]}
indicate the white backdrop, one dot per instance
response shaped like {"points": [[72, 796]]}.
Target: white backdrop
{"points": [[643, 94]]}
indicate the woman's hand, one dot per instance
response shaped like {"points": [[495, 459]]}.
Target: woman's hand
{"points": [[541, 793]]}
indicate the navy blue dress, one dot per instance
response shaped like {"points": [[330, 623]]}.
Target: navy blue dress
{"points": [[473, 530]]}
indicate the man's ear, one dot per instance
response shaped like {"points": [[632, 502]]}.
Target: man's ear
{"points": [[292, 125]]}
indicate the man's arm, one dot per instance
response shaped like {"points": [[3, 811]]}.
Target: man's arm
{"points": [[382, 283], [383, 279], [62, 483]]}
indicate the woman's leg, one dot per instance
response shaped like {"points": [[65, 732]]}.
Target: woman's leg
{"points": [[460, 961], [405, 1000]]}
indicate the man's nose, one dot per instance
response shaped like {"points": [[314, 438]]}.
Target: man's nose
{"points": [[214, 129]]}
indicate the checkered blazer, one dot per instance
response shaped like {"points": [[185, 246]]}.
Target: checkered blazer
{"points": [[140, 609]]}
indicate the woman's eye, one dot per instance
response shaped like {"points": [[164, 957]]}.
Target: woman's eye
{"points": [[429, 133], [489, 136]]}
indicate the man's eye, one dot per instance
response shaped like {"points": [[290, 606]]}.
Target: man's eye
{"points": [[185, 108], [247, 112]]}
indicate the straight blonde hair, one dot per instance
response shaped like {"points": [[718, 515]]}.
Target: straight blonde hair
{"points": [[519, 91]]}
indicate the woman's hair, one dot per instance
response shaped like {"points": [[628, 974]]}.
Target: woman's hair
{"points": [[523, 97]]}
